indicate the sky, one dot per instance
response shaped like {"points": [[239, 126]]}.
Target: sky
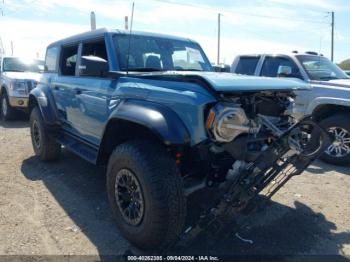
{"points": [[247, 26]]}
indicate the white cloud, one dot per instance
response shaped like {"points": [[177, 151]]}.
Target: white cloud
{"points": [[258, 22], [31, 38], [329, 5], [233, 46]]}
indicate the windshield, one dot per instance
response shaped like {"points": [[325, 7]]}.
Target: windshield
{"points": [[321, 68], [159, 54], [12, 64]]}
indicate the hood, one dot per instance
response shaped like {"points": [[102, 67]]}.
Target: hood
{"points": [[23, 75], [334, 83], [230, 83]]}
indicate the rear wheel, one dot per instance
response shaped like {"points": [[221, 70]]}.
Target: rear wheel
{"points": [[45, 147], [146, 194], [338, 152], [7, 111]]}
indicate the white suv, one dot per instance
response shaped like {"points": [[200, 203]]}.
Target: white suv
{"points": [[17, 78]]}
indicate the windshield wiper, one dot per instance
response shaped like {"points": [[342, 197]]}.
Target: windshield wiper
{"points": [[145, 69], [13, 70], [328, 78], [189, 69]]}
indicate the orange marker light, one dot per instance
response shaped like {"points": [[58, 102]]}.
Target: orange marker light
{"points": [[210, 119]]}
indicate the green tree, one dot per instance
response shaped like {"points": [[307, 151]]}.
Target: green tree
{"points": [[345, 65]]}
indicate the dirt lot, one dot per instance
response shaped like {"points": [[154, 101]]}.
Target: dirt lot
{"points": [[61, 208]]}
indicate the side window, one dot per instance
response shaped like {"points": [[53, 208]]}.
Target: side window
{"points": [[68, 60], [247, 65], [97, 49], [94, 59], [272, 64], [51, 59]]}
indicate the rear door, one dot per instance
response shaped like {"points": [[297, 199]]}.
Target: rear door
{"points": [[63, 88]]}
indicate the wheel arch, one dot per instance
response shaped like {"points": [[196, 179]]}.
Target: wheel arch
{"points": [[41, 97], [3, 89], [140, 119], [326, 110]]}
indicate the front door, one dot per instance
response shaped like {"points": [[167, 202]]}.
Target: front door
{"points": [[92, 94]]}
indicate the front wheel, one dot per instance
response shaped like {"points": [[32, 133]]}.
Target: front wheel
{"points": [[44, 145], [146, 194], [7, 112], [338, 152]]}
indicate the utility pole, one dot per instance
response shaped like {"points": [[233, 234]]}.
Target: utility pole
{"points": [[11, 48], [93, 21], [1, 8], [2, 49], [219, 28], [126, 25], [332, 44]]}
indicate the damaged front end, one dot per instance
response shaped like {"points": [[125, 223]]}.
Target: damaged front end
{"points": [[257, 134]]}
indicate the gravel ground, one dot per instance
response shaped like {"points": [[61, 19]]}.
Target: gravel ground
{"points": [[61, 208]]}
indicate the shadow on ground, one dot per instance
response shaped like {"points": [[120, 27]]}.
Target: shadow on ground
{"points": [[274, 229], [320, 168], [20, 122]]}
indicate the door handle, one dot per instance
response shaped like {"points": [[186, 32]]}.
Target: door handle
{"points": [[78, 91]]}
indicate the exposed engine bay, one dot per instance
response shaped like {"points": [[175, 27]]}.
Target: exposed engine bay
{"points": [[256, 146], [245, 125]]}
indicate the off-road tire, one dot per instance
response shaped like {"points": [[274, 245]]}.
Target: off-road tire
{"points": [[341, 121], [162, 189], [47, 148], [10, 114]]}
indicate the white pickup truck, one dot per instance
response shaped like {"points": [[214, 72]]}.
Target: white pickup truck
{"points": [[328, 102], [17, 78]]}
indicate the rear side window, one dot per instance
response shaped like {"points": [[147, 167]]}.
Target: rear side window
{"points": [[51, 59], [69, 60], [246, 65]]}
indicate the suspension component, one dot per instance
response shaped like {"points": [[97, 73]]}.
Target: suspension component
{"points": [[287, 156]]}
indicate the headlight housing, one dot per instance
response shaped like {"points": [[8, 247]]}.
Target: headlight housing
{"points": [[19, 86], [226, 122]]}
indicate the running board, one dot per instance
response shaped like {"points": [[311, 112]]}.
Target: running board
{"points": [[78, 147]]}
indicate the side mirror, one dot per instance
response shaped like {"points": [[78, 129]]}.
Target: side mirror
{"points": [[93, 66], [222, 68], [41, 68], [284, 71]]}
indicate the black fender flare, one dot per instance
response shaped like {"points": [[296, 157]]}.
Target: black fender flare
{"points": [[159, 119], [42, 97]]}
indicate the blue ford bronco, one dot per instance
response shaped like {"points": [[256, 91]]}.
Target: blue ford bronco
{"points": [[150, 108]]}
